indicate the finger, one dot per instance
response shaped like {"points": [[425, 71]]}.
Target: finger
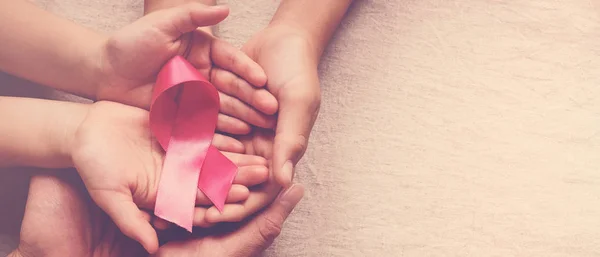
{"points": [[249, 240], [298, 111], [130, 219], [233, 59], [161, 224], [237, 193], [236, 108], [245, 159], [238, 212], [251, 175], [260, 232], [228, 144], [237, 87], [177, 21], [199, 218], [246, 176], [230, 125]]}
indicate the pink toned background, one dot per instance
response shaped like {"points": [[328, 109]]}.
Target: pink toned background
{"points": [[448, 128]]}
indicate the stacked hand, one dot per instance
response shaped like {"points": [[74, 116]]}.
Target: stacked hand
{"points": [[128, 63], [131, 58], [290, 63], [120, 163], [88, 232]]}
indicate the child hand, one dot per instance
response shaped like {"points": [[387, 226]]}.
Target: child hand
{"points": [[130, 59], [120, 164]]}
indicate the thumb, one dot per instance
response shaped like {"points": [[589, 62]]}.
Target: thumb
{"points": [[130, 219], [297, 115], [260, 232], [182, 19]]}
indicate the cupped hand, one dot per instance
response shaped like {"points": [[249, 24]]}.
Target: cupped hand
{"points": [[290, 63], [258, 143], [120, 164], [131, 58]]}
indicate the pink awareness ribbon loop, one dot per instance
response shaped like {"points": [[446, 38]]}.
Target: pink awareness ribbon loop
{"points": [[183, 118]]}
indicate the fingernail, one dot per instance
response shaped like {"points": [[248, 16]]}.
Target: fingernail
{"points": [[291, 197], [219, 7], [288, 171]]}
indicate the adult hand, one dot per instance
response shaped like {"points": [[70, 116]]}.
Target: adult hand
{"points": [[260, 143], [249, 240], [61, 220], [88, 232]]}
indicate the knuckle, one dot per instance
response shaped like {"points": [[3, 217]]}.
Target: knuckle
{"points": [[219, 77], [270, 228], [237, 218], [300, 144], [309, 99], [214, 75], [226, 102], [233, 60], [236, 86], [295, 145]]}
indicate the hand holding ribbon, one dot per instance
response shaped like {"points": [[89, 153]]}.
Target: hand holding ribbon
{"points": [[183, 117], [120, 164], [130, 59]]}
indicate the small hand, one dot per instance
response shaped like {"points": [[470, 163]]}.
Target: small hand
{"points": [[120, 164], [131, 58], [241, 101], [258, 143]]}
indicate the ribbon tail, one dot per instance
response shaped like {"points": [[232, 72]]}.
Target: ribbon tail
{"points": [[177, 191], [217, 177]]}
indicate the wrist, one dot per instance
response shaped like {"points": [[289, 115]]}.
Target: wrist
{"points": [[319, 26], [41, 132], [66, 135], [95, 65], [293, 37]]}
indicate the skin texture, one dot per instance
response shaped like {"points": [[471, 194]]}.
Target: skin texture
{"points": [[160, 35], [461, 127], [90, 233], [121, 164], [121, 67], [284, 172], [288, 50]]}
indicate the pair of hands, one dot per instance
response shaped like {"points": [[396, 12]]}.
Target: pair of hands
{"points": [[89, 232], [129, 61]]}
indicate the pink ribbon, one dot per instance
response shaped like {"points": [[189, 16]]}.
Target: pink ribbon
{"points": [[183, 118]]}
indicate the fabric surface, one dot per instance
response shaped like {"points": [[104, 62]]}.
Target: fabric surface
{"points": [[447, 128]]}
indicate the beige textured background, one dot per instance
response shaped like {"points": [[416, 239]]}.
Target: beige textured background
{"points": [[448, 127]]}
